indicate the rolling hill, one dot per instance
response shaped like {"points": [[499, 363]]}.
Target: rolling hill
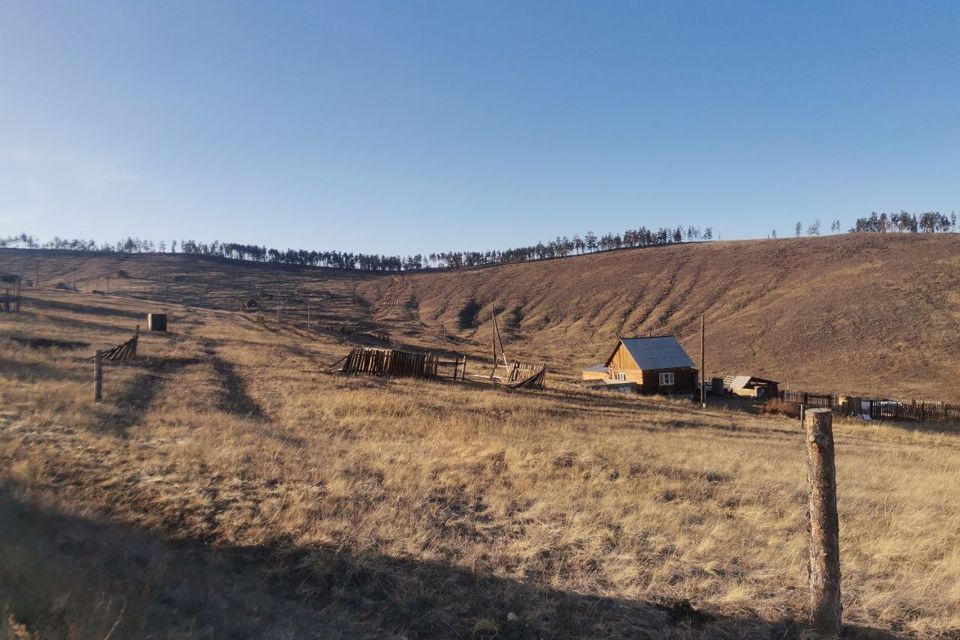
{"points": [[861, 314], [230, 485]]}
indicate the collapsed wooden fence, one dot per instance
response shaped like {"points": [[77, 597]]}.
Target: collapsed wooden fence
{"points": [[124, 351], [526, 375], [398, 363], [913, 410]]}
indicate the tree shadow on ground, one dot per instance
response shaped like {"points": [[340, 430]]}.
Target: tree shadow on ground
{"points": [[134, 398], [234, 397], [50, 343], [68, 576], [32, 371], [75, 307]]}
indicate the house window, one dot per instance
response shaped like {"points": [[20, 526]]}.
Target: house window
{"points": [[666, 379], [622, 377]]}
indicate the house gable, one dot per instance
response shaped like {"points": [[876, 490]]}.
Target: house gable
{"points": [[621, 358]]}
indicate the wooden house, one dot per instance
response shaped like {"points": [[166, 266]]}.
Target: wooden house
{"points": [[656, 364]]}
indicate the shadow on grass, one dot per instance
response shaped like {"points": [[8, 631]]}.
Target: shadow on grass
{"points": [[234, 397], [33, 371], [88, 309], [134, 398], [68, 576], [49, 343]]}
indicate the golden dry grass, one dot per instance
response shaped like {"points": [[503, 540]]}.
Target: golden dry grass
{"points": [[230, 487], [861, 314]]}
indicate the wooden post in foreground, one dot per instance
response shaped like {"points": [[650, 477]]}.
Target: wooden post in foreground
{"points": [[824, 554], [98, 377]]}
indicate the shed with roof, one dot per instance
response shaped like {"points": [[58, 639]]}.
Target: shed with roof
{"points": [[751, 387]]}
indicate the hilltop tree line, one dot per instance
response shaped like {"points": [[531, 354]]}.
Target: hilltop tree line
{"points": [[903, 222], [557, 248]]}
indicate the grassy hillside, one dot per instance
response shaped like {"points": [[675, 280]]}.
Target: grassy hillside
{"points": [[862, 314], [229, 487]]}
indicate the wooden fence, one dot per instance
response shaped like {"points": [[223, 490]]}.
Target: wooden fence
{"points": [[124, 351], [527, 375], [920, 411], [10, 302], [394, 362]]}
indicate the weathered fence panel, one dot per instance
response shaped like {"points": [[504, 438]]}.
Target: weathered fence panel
{"points": [[124, 351], [399, 363]]}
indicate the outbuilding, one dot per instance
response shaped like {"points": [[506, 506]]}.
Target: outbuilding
{"points": [[657, 364], [751, 387], [595, 372]]}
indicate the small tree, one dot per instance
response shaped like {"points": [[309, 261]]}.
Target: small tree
{"points": [[590, 240], [799, 229], [773, 234], [814, 229]]}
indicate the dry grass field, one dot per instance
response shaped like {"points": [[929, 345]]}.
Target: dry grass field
{"points": [[864, 314], [230, 487]]}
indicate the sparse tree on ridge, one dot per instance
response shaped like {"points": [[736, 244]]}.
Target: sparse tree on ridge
{"points": [[591, 241], [799, 229]]}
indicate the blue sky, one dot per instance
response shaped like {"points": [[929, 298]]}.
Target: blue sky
{"points": [[400, 127]]}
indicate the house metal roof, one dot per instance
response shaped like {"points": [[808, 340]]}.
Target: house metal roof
{"points": [[659, 352], [596, 367]]}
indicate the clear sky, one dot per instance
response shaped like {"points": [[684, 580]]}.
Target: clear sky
{"points": [[404, 126]]}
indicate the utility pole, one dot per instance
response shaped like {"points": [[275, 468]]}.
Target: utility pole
{"points": [[308, 314], [703, 365]]}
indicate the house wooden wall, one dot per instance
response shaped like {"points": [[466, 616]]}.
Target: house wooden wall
{"points": [[594, 375], [684, 381], [623, 362]]}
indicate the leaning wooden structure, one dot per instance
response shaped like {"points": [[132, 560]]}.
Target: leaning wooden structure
{"points": [[519, 374], [399, 363], [124, 351], [526, 375]]}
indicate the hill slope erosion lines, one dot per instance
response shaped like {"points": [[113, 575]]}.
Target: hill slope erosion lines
{"points": [[861, 313]]}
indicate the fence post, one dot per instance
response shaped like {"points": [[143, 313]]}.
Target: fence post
{"points": [[823, 566], [98, 377]]}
